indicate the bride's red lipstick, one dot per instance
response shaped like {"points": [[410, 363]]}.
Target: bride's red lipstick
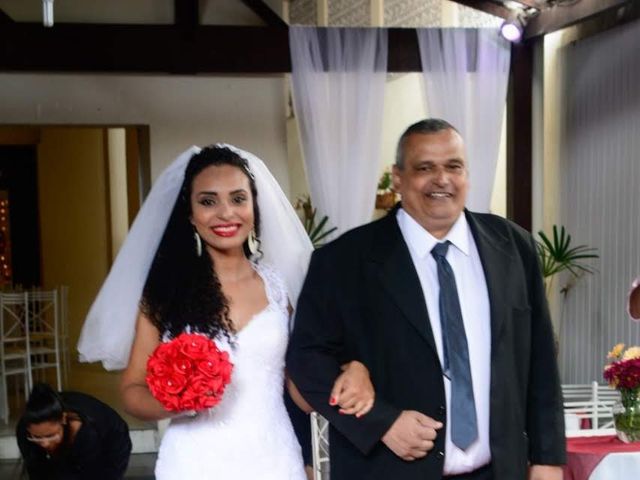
{"points": [[226, 230]]}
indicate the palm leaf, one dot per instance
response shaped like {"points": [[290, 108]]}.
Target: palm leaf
{"points": [[323, 235], [317, 232], [556, 254]]}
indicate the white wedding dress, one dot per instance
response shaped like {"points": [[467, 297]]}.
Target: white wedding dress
{"points": [[248, 435]]}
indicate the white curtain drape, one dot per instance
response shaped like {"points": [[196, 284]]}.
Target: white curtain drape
{"points": [[466, 72], [338, 77]]}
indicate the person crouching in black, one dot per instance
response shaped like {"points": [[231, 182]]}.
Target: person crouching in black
{"points": [[72, 436]]}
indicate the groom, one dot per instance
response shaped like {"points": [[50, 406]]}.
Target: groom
{"points": [[447, 310]]}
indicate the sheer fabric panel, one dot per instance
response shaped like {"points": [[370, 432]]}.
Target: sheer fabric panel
{"points": [[466, 72], [338, 78]]}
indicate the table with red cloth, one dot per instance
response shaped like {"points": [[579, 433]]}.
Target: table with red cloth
{"points": [[600, 458]]}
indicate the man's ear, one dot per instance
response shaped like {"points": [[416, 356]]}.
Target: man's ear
{"points": [[395, 178]]}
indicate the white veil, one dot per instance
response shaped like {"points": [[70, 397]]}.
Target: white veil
{"points": [[108, 330]]}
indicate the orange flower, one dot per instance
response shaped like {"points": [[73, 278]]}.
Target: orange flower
{"points": [[616, 351]]}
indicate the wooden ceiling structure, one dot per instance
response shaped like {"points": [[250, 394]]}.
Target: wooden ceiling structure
{"points": [[187, 48]]}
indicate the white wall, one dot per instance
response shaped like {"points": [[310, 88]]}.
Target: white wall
{"points": [[118, 201], [404, 105], [180, 111], [596, 121]]}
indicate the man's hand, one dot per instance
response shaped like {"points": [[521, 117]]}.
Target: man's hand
{"points": [[412, 434], [545, 472]]}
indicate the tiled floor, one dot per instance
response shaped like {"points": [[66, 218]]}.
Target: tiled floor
{"points": [[140, 468]]}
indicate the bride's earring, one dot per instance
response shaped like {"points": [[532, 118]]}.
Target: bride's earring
{"points": [[198, 244], [252, 242]]}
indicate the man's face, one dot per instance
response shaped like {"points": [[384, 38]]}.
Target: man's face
{"points": [[434, 180]]}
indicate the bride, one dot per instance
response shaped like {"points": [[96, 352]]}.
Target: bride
{"points": [[216, 249]]}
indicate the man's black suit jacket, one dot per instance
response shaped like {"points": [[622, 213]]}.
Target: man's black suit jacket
{"points": [[362, 300]]}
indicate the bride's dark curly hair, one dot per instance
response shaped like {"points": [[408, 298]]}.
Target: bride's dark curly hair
{"points": [[182, 288]]}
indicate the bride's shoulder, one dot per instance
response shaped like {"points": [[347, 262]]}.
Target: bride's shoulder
{"points": [[276, 288]]}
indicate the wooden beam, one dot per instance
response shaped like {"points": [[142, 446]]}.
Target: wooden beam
{"points": [[611, 19], [143, 49], [520, 135], [186, 14], [263, 10], [161, 49], [487, 6], [561, 15], [404, 51]]}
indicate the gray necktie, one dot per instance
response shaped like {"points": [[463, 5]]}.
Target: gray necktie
{"points": [[464, 424]]}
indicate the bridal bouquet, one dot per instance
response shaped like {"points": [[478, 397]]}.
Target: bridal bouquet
{"points": [[189, 372]]}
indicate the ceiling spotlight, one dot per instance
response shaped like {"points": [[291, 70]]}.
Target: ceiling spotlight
{"points": [[47, 13], [513, 27]]}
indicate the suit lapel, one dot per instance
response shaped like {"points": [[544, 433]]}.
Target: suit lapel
{"points": [[495, 256], [396, 272]]}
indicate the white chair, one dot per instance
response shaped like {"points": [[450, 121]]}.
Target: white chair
{"points": [[44, 330], [319, 446], [590, 404], [64, 333], [15, 352], [599, 413], [574, 392]]}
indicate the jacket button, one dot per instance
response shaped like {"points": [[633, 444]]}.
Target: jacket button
{"points": [[440, 454], [441, 409]]}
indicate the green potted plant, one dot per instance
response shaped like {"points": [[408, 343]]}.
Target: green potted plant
{"points": [[318, 232], [558, 255]]}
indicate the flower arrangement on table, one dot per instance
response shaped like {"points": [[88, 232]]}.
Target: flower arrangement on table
{"points": [[188, 373], [623, 374], [386, 198]]}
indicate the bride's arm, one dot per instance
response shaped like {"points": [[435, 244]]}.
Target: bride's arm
{"points": [[297, 398], [352, 392], [136, 397], [294, 393]]}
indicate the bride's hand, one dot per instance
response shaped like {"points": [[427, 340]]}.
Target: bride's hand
{"points": [[353, 391]]}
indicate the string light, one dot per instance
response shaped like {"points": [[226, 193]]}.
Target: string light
{"points": [[5, 243]]}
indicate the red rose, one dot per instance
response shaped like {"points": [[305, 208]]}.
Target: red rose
{"points": [[165, 352], [182, 365], [171, 403], [158, 368], [209, 367], [187, 404], [209, 390], [195, 346], [199, 385], [173, 383]]}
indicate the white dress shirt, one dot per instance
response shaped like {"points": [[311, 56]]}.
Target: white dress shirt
{"points": [[465, 262]]}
